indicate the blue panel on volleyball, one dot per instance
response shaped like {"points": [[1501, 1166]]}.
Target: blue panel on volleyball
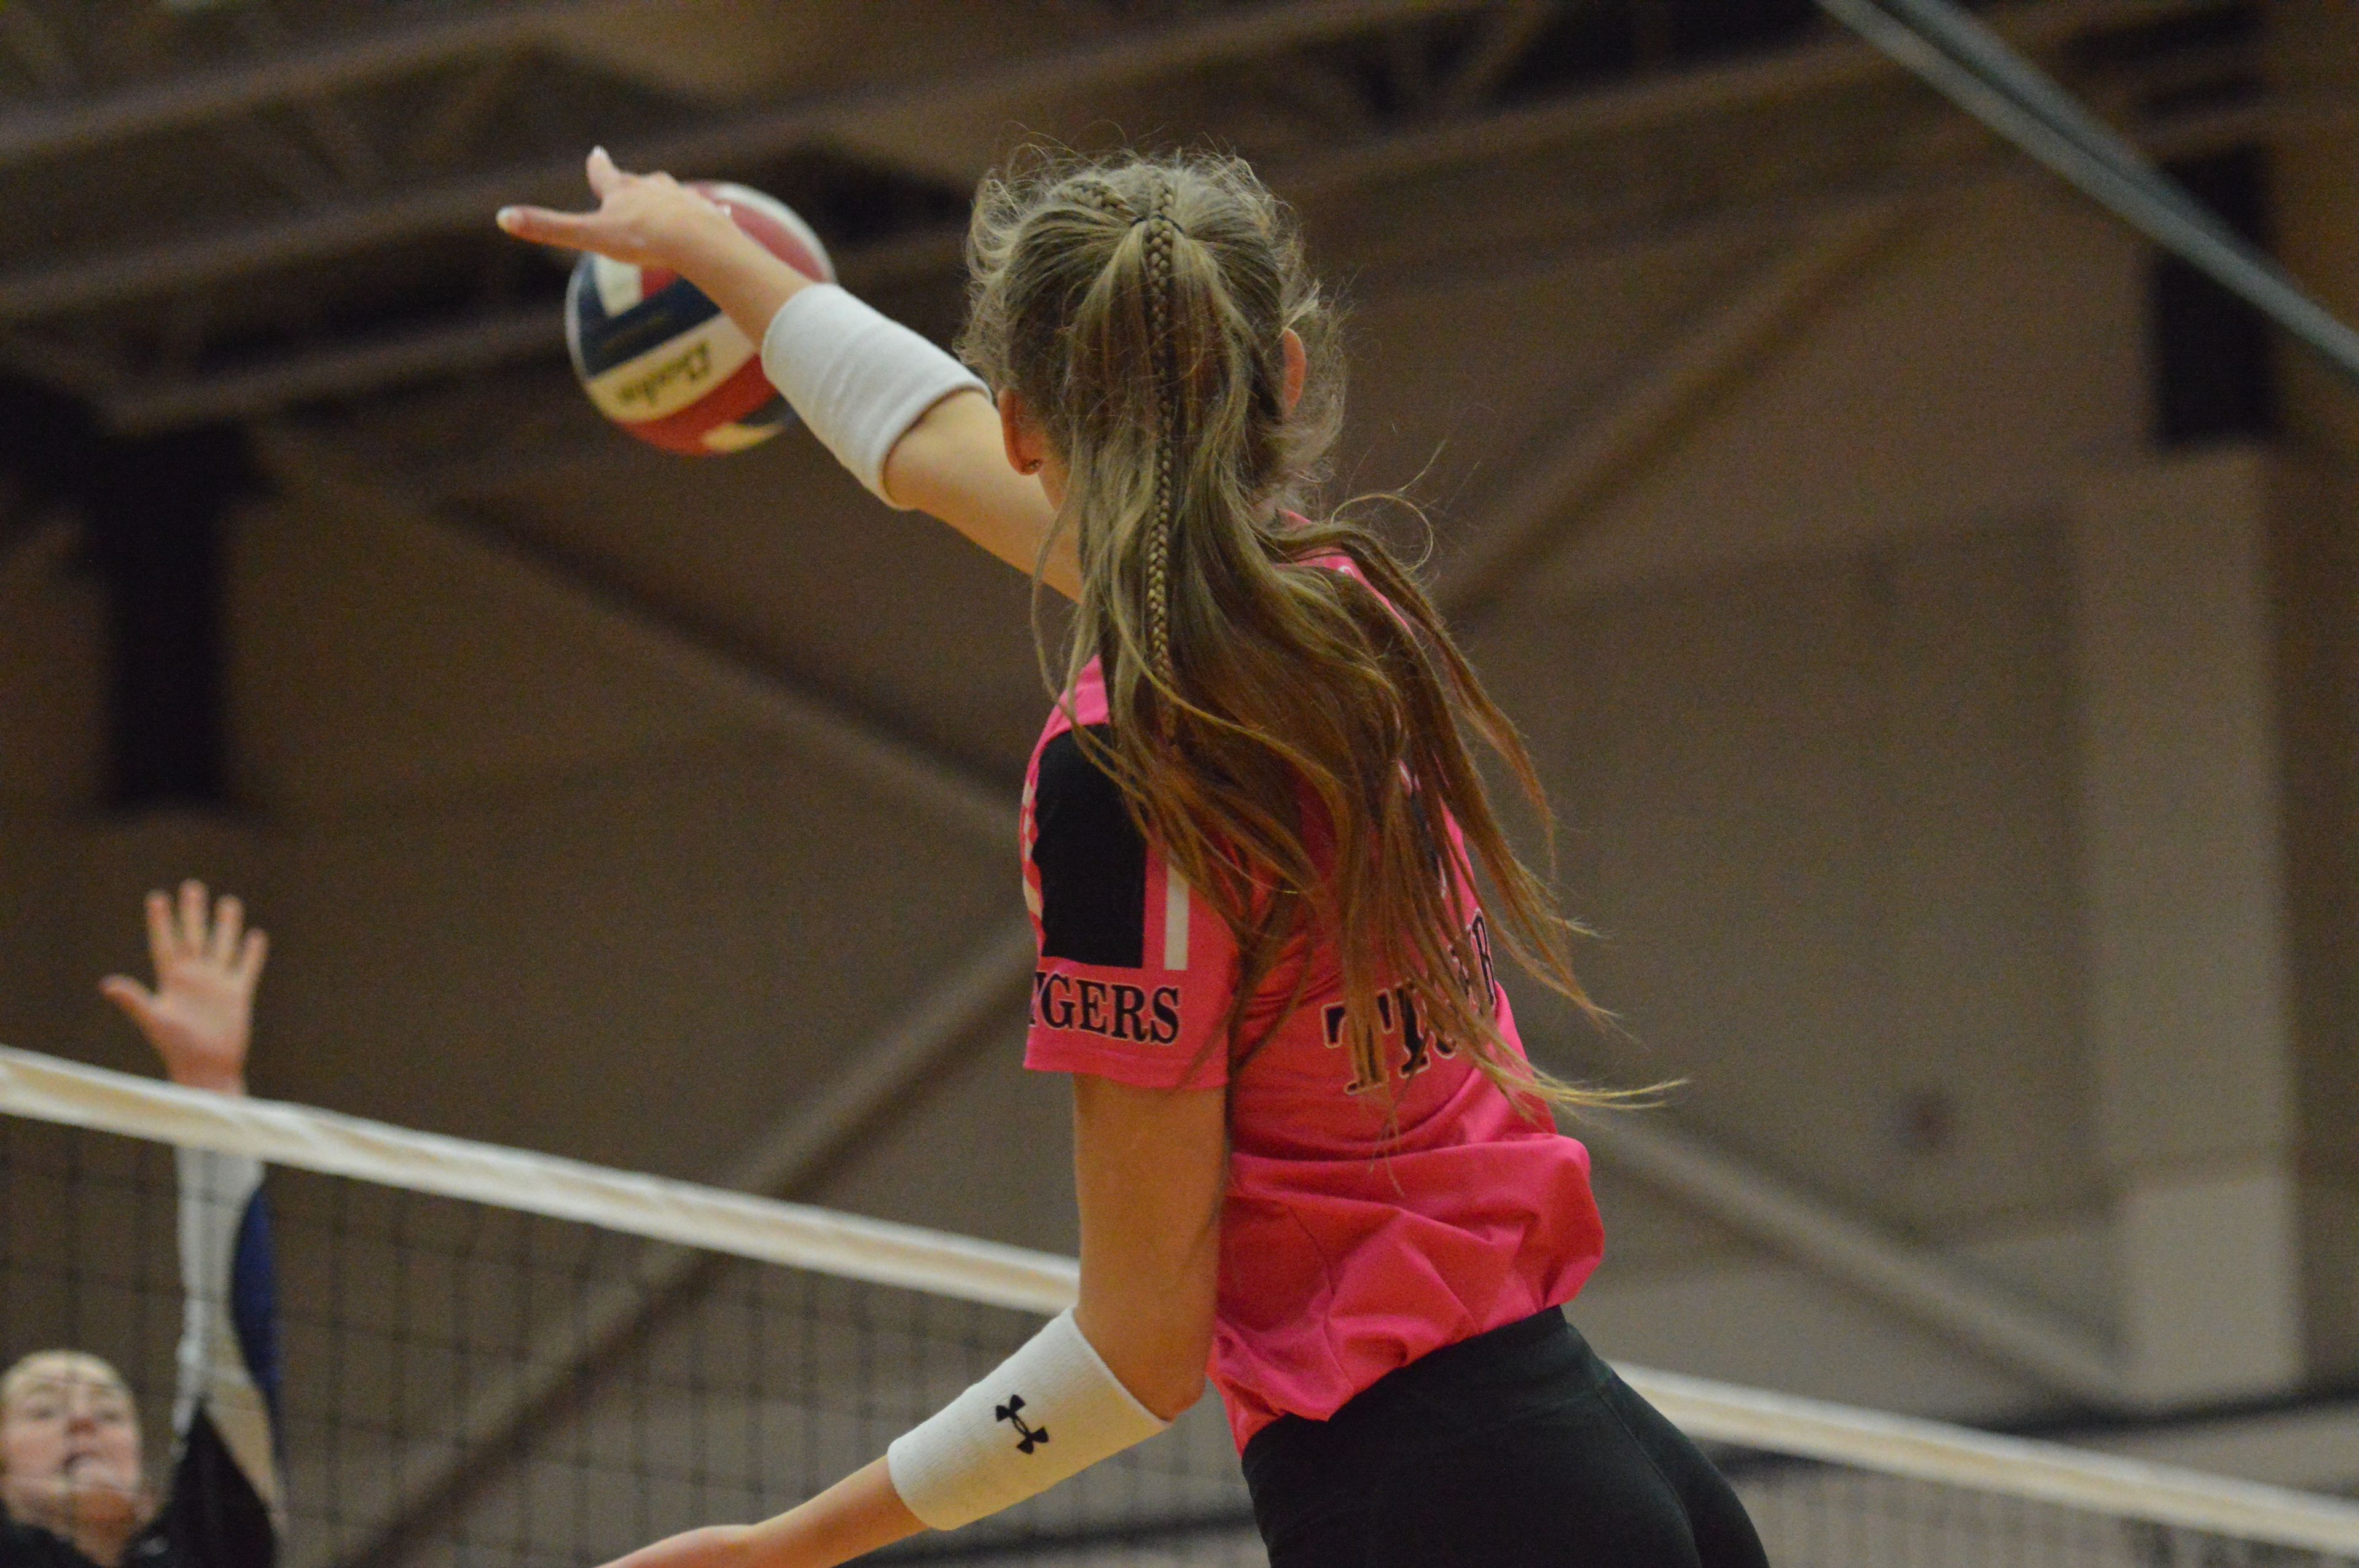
{"points": [[603, 340], [660, 359]]}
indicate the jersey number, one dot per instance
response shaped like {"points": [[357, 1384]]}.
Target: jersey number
{"points": [[1399, 1017]]}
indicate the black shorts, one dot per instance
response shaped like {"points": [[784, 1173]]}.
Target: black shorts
{"points": [[1515, 1449]]}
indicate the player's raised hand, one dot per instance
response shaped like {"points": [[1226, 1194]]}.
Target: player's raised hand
{"points": [[199, 1017], [646, 219]]}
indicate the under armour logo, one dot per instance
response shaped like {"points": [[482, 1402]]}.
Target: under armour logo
{"points": [[1032, 1436]]}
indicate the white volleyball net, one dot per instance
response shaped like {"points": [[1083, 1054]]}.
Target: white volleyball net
{"points": [[500, 1358]]}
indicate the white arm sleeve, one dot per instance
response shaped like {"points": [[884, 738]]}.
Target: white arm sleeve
{"points": [[857, 378], [228, 1360], [1052, 1410]]}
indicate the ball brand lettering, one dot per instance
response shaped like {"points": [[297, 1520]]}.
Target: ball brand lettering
{"points": [[693, 365], [1109, 1008]]}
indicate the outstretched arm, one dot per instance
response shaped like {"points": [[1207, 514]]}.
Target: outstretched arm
{"points": [[225, 1508], [951, 463], [1150, 1167]]}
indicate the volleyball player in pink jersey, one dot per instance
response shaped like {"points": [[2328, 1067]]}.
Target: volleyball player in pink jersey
{"points": [[1312, 1159]]}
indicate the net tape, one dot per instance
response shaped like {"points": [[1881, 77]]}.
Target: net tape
{"points": [[846, 1247]]}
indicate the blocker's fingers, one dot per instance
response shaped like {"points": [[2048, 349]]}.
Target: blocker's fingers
{"points": [[128, 994], [250, 960], [229, 925], [159, 931], [192, 918]]}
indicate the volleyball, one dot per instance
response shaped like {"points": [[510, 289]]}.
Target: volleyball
{"points": [[662, 361]]}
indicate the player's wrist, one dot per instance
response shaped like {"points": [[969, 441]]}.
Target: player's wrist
{"points": [[708, 250], [210, 1080]]}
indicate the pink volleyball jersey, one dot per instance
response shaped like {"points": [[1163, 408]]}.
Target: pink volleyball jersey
{"points": [[1348, 1248]]}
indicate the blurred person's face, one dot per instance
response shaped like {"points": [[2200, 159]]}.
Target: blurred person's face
{"points": [[69, 1444]]}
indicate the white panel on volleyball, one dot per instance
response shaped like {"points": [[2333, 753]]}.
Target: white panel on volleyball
{"points": [[736, 438], [620, 285]]}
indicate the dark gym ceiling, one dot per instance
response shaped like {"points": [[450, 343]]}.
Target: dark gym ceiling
{"points": [[253, 245], [232, 208]]}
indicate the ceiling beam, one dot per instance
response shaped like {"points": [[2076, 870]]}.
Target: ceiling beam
{"points": [[196, 261], [1505, 40], [54, 129], [505, 337], [82, 369], [1546, 504], [955, 797], [133, 406], [87, 282], [1566, 482], [34, 44], [1915, 1281], [1645, 103], [478, 343]]}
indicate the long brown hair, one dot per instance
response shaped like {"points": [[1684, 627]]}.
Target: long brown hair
{"points": [[1281, 731]]}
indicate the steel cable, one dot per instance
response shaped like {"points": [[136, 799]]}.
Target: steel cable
{"points": [[1975, 69]]}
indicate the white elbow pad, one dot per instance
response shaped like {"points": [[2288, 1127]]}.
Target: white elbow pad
{"points": [[858, 378], [1052, 1410]]}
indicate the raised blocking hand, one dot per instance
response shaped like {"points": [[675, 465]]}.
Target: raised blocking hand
{"points": [[199, 1016]]}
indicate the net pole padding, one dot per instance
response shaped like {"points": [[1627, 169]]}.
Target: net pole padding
{"points": [[769, 1230], [907, 1256], [2011, 1466]]}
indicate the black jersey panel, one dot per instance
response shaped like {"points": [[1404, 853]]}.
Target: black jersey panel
{"points": [[213, 1519], [29, 1546], [1092, 859]]}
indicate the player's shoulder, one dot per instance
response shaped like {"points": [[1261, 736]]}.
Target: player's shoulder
{"points": [[1075, 801], [1090, 859], [1083, 706]]}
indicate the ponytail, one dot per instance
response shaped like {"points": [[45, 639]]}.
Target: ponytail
{"points": [[1287, 735]]}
